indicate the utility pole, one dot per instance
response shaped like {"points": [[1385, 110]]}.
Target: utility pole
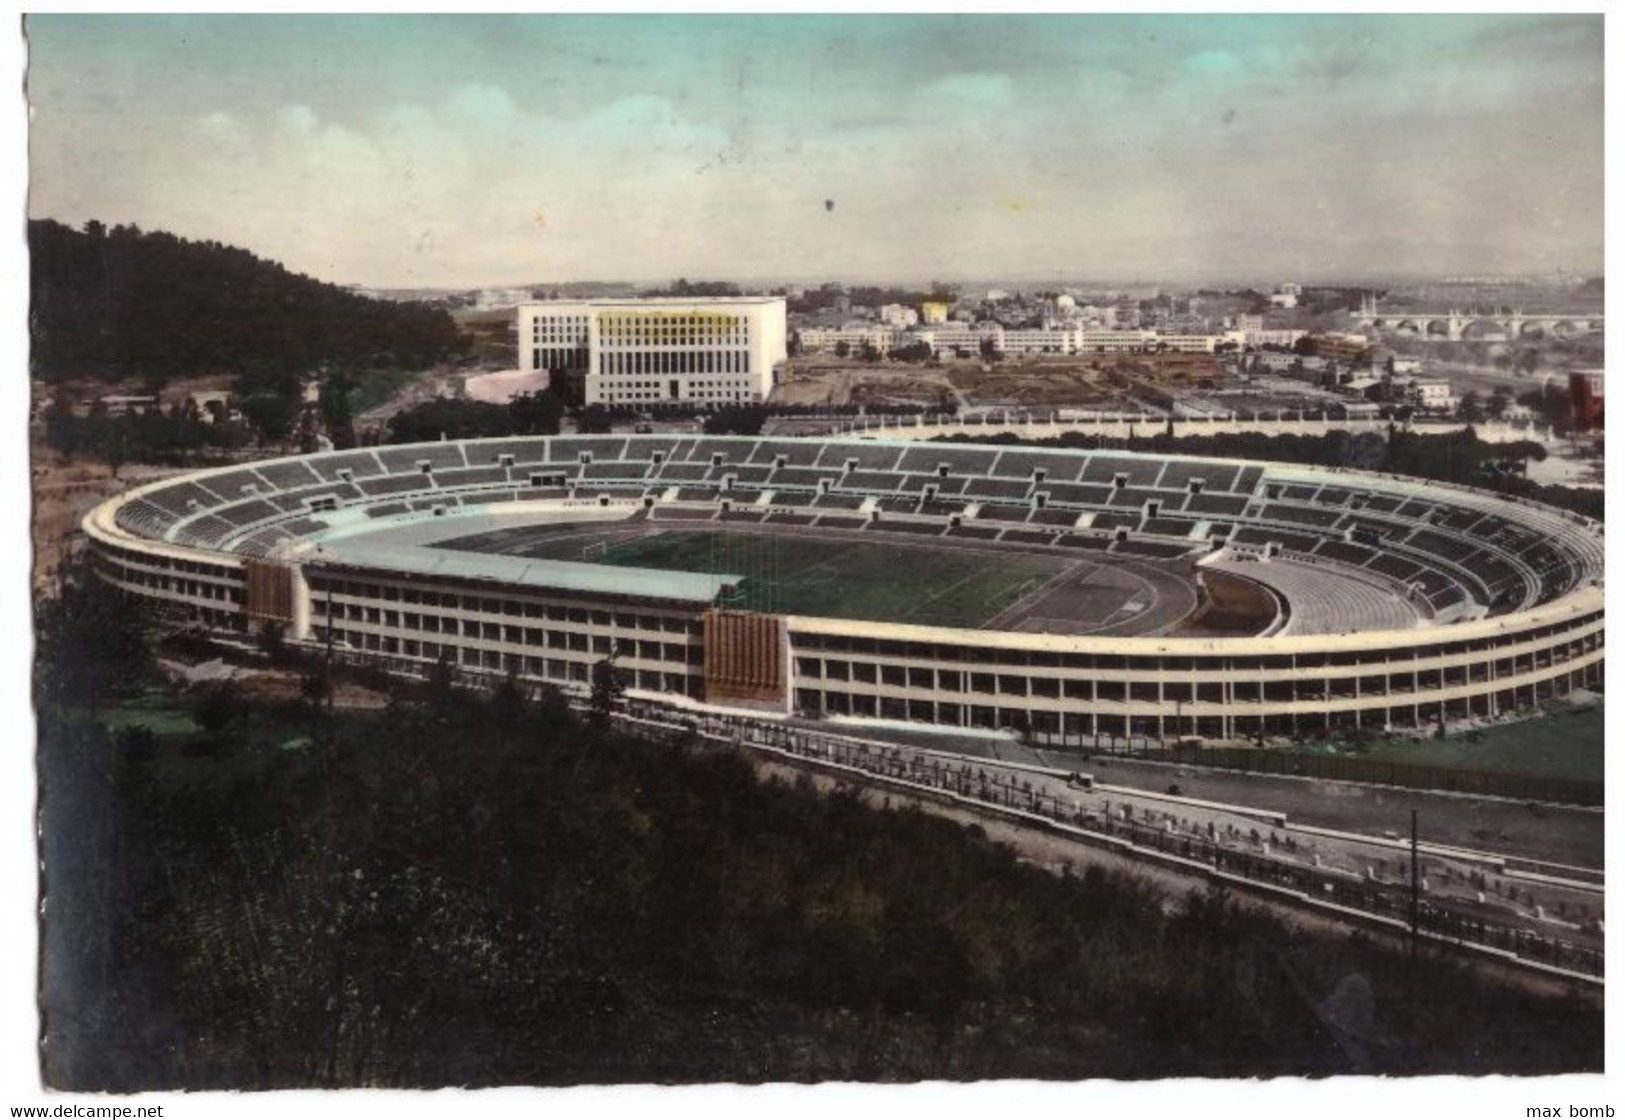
{"points": [[327, 670], [1415, 888]]}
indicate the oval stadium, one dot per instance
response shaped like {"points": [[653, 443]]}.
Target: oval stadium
{"points": [[1067, 594]]}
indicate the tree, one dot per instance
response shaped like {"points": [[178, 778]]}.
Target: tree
{"points": [[314, 689], [124, 303], [595, 419], [1499, 402], [90, 643], [273, 642], [737, 420], [535, 414], [271, 414], [1470, 409], [217, 706], [843, 349], [608, 686]]}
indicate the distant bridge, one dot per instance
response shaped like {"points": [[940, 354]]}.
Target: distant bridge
{"points": [[1455, 326]]}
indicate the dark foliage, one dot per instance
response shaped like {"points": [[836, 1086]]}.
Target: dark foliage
{"points": [[695, 289], [481, 892], [153, 437], [90, 643], [470, 891], [529, 414], [737, 420], [120, 303]]}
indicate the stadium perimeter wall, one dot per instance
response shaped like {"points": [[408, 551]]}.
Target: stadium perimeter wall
{"points": [[1050, 686]]}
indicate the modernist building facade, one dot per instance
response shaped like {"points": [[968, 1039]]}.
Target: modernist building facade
{"points": [[1503, 599], [658, 351]]}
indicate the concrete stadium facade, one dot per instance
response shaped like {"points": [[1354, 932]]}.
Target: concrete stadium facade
{"points": [[1507, 594]]}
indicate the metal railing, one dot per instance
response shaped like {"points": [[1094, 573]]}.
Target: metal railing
{"points": [[998, 787]]}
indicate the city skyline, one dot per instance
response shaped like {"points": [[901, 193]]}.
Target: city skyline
{"points": [[406, 151]]}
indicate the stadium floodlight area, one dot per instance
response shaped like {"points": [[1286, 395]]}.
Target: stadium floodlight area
{"points": [[1058, 592]]}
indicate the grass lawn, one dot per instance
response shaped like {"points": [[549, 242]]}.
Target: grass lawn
{"points": [[1565, 743], [848, 579], [163, 713]]}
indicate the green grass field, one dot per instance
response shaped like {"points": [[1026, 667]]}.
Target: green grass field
{"points": [[848, 579], [157, 710], [1565, 743]]}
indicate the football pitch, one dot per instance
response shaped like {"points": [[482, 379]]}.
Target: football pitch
{"points": [[878, 581]]}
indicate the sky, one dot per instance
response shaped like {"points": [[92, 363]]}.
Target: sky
{"points": [[440, 151]]}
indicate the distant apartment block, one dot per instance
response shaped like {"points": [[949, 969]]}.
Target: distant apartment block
{"points": [[656, 351], [1273, 337], [856, 338], [1431, 395], [951, 338]]}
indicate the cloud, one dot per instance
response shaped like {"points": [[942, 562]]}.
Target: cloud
{"points": [[1213, 63], [955, 146], [976, 88], [483, 106], [299, 120], [223, 129]]}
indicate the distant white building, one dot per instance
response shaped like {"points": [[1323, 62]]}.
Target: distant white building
{"points": [[1113, 341], [1286, 295], [898, 316], [1431, 395], [855, 336], [117, 404], [1262, 337], [666, 350], [1182, 343], [956, 337], [946, 339]]}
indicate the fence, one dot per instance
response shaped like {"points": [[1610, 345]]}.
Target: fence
{"points": [[982, 782]]}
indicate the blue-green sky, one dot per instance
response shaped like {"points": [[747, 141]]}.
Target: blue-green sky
{"points": [[422, 150]]}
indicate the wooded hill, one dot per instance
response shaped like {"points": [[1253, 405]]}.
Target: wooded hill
{"points": [[467, 890], [119, 302]]}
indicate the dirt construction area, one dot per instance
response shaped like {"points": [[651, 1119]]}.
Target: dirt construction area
{"points": [[64, 490], [1061, 382]]}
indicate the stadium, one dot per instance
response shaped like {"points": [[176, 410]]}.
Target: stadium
{"points": [[1070, 595]]}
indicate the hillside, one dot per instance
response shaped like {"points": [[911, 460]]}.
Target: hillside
{"points": [[258, 893], [120, 303]]}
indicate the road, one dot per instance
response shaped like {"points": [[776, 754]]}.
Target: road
{"points": [[1552, 834], [1468, 882]]}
